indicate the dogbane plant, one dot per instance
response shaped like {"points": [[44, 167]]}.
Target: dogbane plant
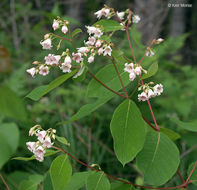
{"points": [[135, 137]]}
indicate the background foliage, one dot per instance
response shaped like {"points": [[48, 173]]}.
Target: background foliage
{"points": [[22, 25]]}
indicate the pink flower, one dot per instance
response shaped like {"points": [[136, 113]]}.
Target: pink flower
{"points": [[82, 50], [40, 158], [136, 19], [46, 44], [150, 53], [44, 70], [39, 151], [99, 14], [91, 41], [64, 29], [67, 60], [120, 15], [132, 76], [158, 89], [98, 33], [90, 59], [142, 97], [151, 94], [91, 29], [52, 59], [66, 67], [100, 51], [77, 57], [55, 24], [31, 146], [98, 43], [31, 71], [128, 67], [138, 70], [107, 51], [103, 12], [47, 142], [41, 135]]}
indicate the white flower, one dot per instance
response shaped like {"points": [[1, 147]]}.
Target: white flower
{"points": [[150, 53], [47, 142], [40, 158], [98, 33], [83, 50], [142, 97], [77, 57], [64, 29], [52, 59], [128, 67], [31, 146], [132, 76], [120, 15], [107, 51], [90, 59], [44, 70], [123, 28], [55, 24], [39, 151], [136, 19], [91, 29], [158, 41], [138, 70], [99, 14], [98, 43], [67, 60], [31, 71], [103, 12], [100, 51], [151, 94], [65, 67], [91, 41], [41, 135], [158, 89], [46, 44]]}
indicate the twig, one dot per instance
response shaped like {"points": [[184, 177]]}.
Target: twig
{"points": [[6, 185]]}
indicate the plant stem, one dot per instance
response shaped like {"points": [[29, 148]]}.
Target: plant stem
{"points": [[6, 185], [149, 123], [191, 172], [62, 37], [112, 177], [118, 74]]}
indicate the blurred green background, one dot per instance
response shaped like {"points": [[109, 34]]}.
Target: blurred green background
{"points": [[23, 24]]}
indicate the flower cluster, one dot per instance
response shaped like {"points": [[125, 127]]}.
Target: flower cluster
{"points": [[149, 92], [44, 141], [133, 70]]}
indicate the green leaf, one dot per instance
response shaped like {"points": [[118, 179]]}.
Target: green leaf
{"points": [[193, 177], [77, 181], [190, 126], [106, 38], [97, 181], [128, 131], [171, 134], [47, 184], [5, 150], [63, 140], [88, 109], [109, 25], [28, 185], [108, 76], [159, 159], [48, 153], [60, 172], [81, 74], [10, 104], [76, 31], [121, 186], [40, 91], [151, 70]]}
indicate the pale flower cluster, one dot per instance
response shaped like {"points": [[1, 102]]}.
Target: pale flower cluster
{"points": [[133, 70], [150, 92], [44, 141]]}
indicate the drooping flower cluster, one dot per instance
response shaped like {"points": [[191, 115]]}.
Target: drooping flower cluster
{"points": [[149, 92], [44, 141], [133, 70]]}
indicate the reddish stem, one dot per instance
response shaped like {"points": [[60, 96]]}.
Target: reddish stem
{"points": [[120, 78], [6, 185], [182, 179], [191, 172], [62, 37], [149, 123], [112, 177]]}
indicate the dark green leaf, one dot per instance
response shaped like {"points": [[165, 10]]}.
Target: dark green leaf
{"points": [[76, 31], [63, 140], [151, 70], [40, 91], [60, 172], [128, 131], [159, 159], [171, 134]]}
